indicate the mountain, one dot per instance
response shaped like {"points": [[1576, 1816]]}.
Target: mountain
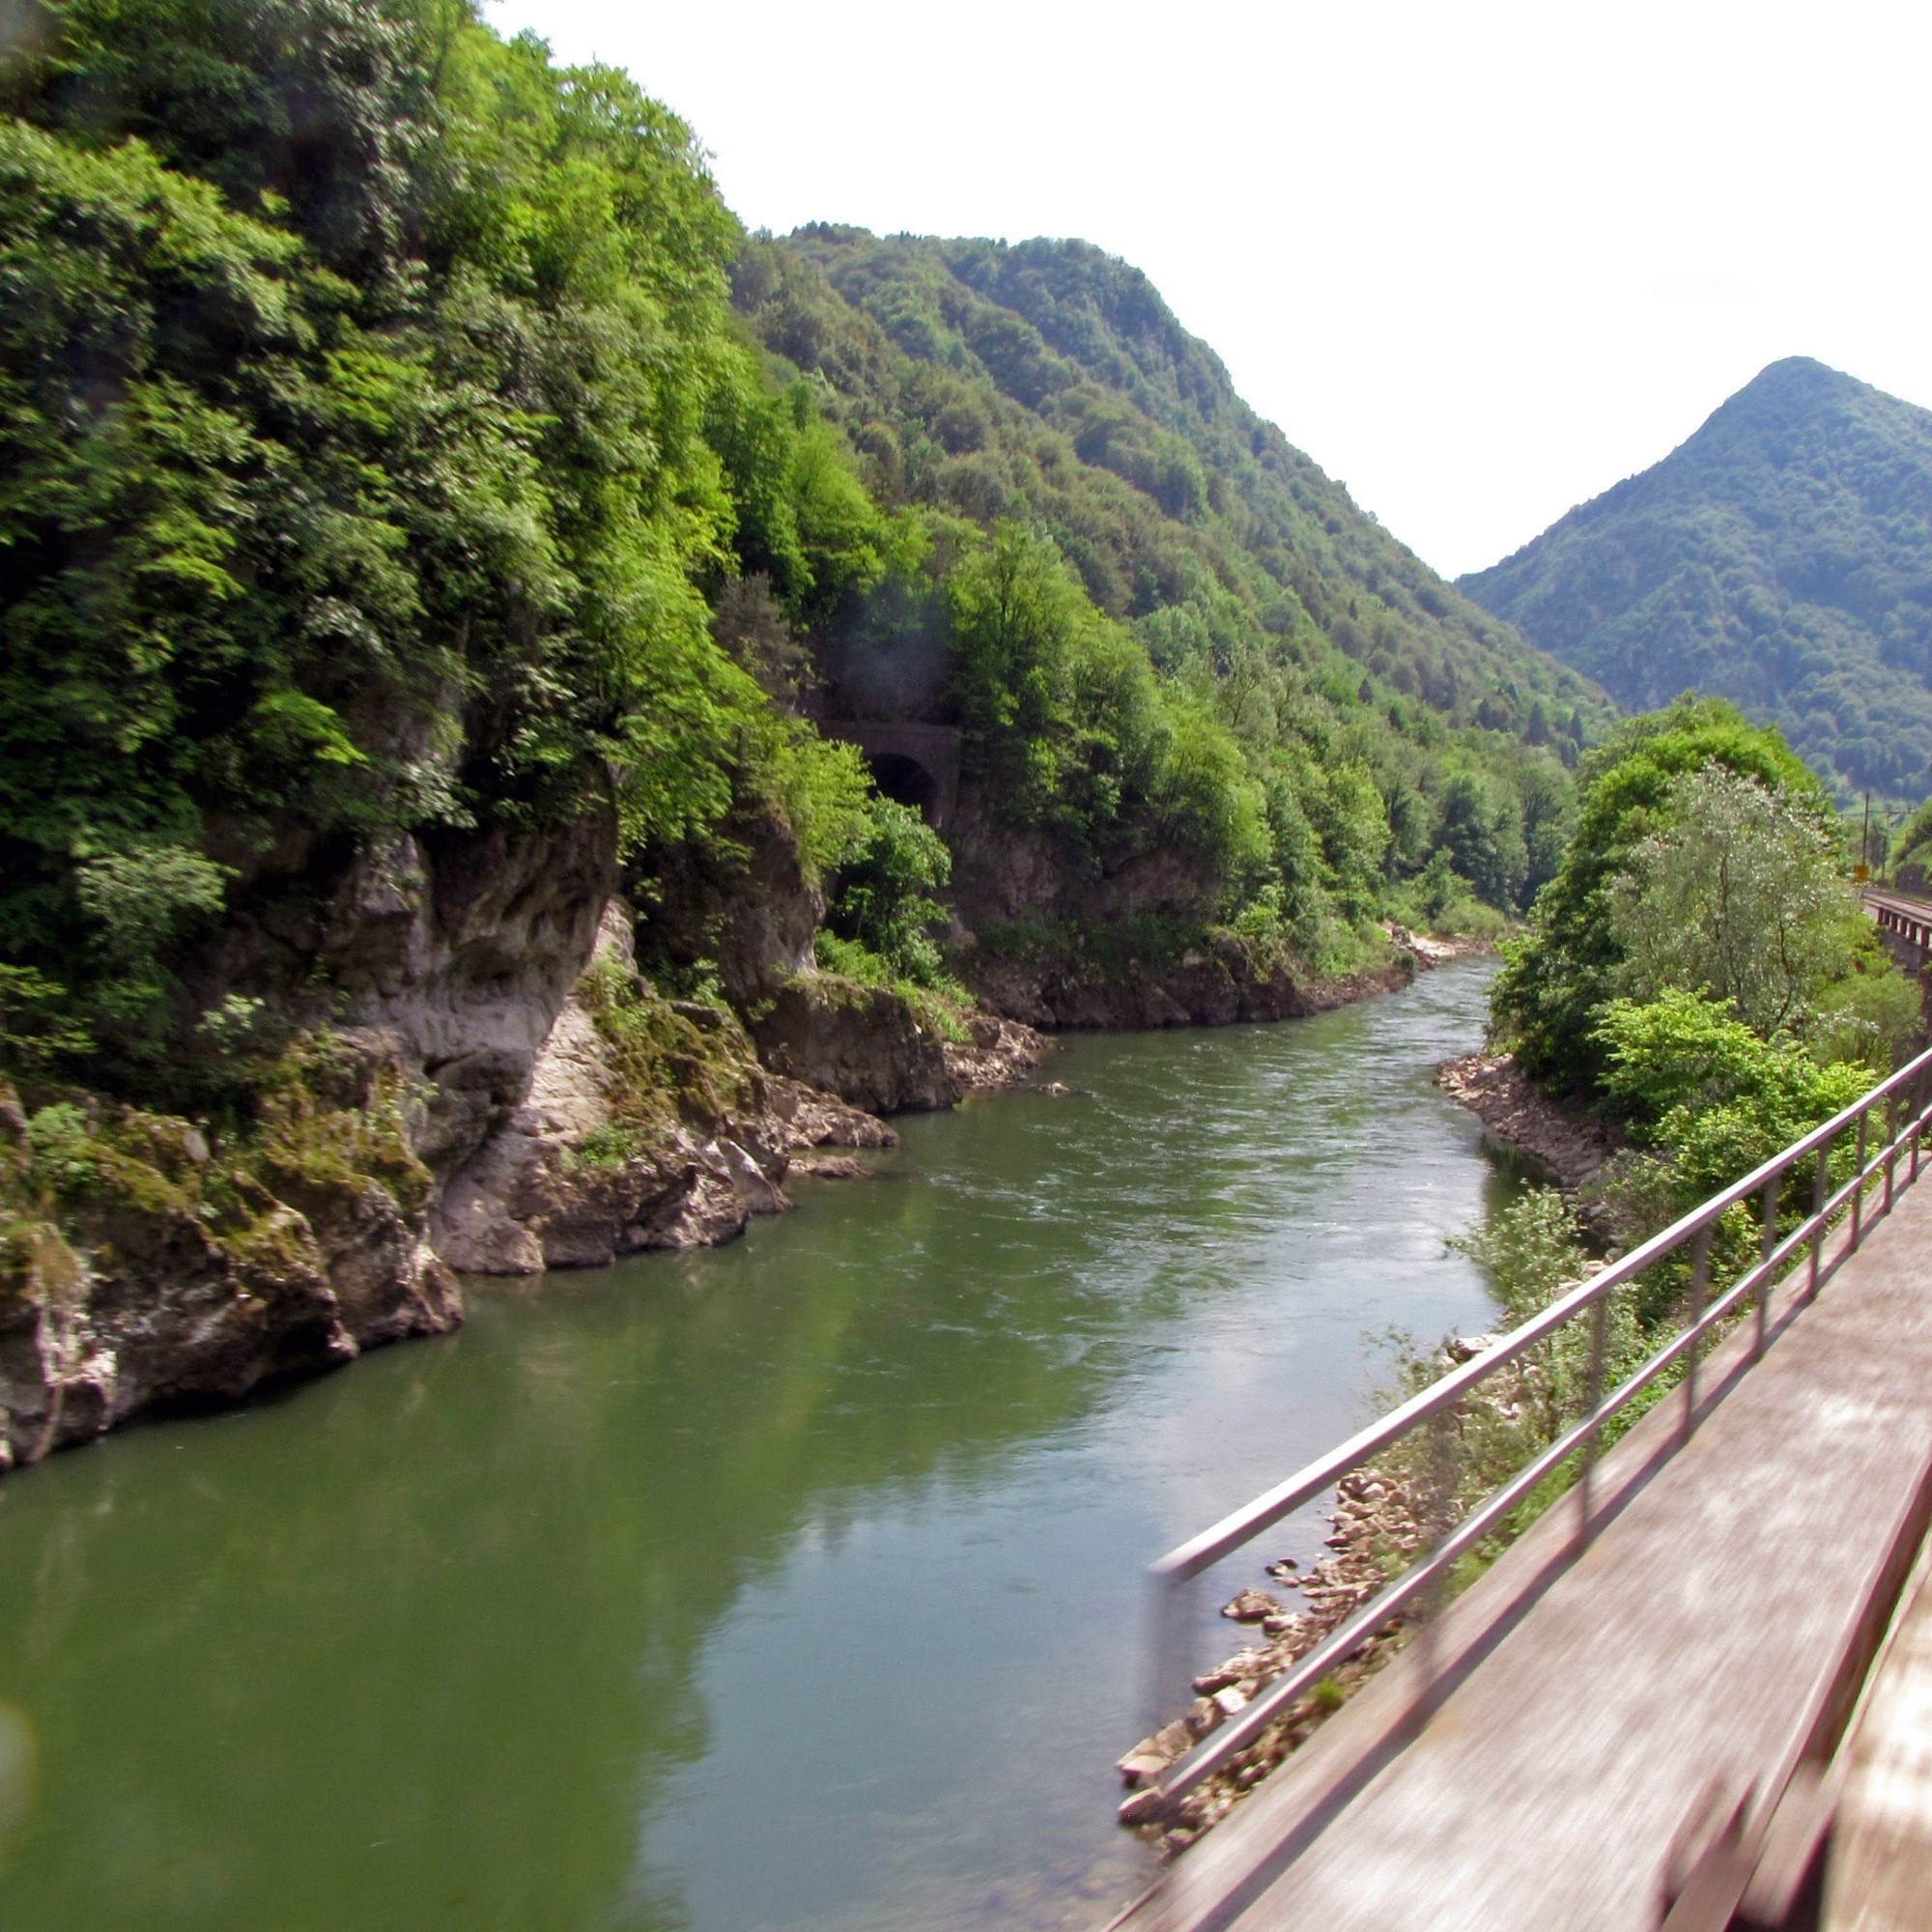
{"points": [[1383, 737], [1781, 558], [1051, 377]]}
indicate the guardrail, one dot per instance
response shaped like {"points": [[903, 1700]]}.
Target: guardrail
{"points": [[1904, 1097], [1907, 919]]}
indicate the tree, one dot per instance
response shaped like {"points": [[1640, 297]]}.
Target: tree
{"points": [[1483, 837], [355, 478], [1016, 611], [1709, 1096], [1546, 999], [1739, 896], [883, 898]]}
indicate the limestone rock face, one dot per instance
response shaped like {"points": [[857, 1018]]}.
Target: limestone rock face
{"points": [[457, 1076], [596, 1162], [492, 1090], [1021, 882], [753, 917], [998, 1053], [1217, 985], [601, 1161], [1004, 873], [863, 1043], [812, 1119], [153, 1301], [526, 1205], [450, 954]]}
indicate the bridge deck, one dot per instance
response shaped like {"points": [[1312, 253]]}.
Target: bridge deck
{"points": [[1881, 1866], [1587, 1705]]}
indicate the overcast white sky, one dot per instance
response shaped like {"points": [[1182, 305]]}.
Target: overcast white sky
{"points": [[1479, 261]]}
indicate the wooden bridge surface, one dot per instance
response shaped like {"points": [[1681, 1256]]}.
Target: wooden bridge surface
{"points": [[1585, 1704]]}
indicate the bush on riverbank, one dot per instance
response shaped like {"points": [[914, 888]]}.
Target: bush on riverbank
{"points": [[1545, 1002], [1699, 968]]}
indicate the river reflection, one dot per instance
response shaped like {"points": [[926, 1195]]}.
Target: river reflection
{"points": [[790, 1585]]}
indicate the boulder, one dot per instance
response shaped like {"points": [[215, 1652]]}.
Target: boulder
{"points": [[1251, 1606], [864, 1043]]}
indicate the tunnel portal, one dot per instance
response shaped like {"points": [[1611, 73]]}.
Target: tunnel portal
{"points": [[916, 764]]}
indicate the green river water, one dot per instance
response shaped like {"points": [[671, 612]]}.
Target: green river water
{"points": [[794, 1585]]}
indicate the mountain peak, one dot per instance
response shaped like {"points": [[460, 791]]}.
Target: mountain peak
{"points": [[1782, 557], [1793, 370], [1795, 383]]}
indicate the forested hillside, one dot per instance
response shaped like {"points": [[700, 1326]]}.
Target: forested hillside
{"points": [[355, 479], [1045, 391], [389, 459], [995, 343], [1781, 558]]}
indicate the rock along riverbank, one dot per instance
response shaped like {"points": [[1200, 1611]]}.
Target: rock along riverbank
{"points": [[1571, 1144], [456, 1123]]}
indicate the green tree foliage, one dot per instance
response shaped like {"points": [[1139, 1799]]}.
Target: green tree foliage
{"points": [[1482, 837], [1546, 1001], [1699, 965], [1912, 844], [884, 902], [1533, 1251], [1741, 896], [1710, 1096], [1045, 395], [1781, 557], [1018, 621], [819, 789], [804, 519], [1054, 373], [380, 451], [375, 437], [1073, 728]]}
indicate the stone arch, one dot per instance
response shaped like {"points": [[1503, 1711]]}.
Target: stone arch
{"points": [[904, 778], [916, 764]]}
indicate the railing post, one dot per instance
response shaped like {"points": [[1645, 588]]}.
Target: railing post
{"points": [[1770, 1241], [1700, 1279], [1593, 1398], [1175, 1599], [1917, 1122], [1858, 1183], [1820, 1194], [1891, 1144], [1444, 1441]]}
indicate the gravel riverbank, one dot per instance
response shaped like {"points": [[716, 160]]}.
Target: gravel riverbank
{"points": [[1570, 1143]]}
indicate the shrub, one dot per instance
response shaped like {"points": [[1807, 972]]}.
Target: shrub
{"points": [[883, 898]]}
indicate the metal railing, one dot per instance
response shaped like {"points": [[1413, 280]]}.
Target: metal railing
{"points": [[1865, 1196]]}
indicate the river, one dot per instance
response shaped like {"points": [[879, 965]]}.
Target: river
{"points": [[794, 1585]]}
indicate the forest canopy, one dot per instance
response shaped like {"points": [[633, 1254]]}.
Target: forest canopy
{"points": [[1707, 865], [1347, 734]]}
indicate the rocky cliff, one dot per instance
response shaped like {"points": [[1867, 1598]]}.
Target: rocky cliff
{"points": [[1062, 941], [1062, 981], [459, 1069]]}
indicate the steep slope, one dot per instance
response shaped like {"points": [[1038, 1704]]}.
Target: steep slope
{"points": [[359, 532], [1192, 686], [1052, 377], [1781, 558]]}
